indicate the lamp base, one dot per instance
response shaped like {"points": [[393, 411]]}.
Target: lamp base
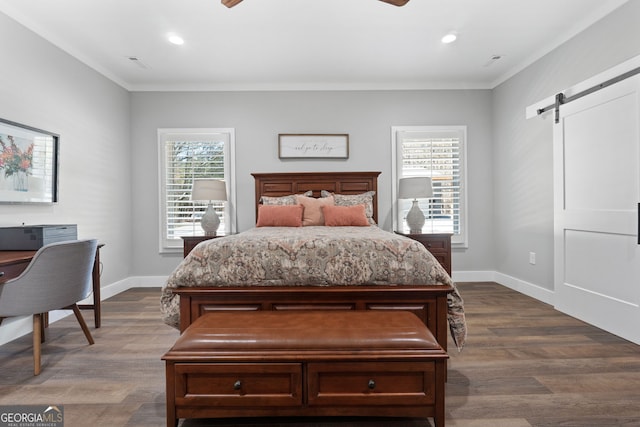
{"points": [[415, 218], [210, 221]]}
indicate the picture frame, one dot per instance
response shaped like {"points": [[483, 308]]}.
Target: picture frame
{"points": [[28, 164], [313, 146]]}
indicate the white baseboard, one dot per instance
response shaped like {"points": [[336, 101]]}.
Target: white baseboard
{"points": [[526, 288], [128, 283], [16, 327], [529, 289], [474, 276]]}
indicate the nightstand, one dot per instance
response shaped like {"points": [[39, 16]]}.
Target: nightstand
{"points": [[190, 242], [438, 244]]}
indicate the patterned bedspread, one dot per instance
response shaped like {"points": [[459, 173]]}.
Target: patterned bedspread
{"points": [[317, 256]]}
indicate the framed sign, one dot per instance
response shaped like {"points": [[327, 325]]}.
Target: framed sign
{"points": [[313, 146], [28, 164]]}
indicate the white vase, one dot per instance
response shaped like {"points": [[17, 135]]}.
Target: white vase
{"points": [[20, 181], [415, 218], [210, 221]]}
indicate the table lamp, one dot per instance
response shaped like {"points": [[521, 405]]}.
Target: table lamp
{"points": [[209, 189], [415, 188]]}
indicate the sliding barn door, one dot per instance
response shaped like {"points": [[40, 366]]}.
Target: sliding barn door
{"points": [[597, 190]]}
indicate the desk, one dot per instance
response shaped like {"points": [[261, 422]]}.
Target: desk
{"points": [[12, 263]]}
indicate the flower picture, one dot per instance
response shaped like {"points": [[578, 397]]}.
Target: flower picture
{"points": [[28, 164], [13, 159]]}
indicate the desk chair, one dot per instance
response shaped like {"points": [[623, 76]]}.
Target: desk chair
{"points": [[58, 277]]}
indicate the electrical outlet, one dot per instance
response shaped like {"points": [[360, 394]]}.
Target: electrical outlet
{"points": [[532, 258]]}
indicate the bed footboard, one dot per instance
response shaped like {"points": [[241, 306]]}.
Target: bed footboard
{"points": [[429, 303]]}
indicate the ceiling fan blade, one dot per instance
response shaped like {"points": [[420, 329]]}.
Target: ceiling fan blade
{"points": [[230, 3], [396, 2]]}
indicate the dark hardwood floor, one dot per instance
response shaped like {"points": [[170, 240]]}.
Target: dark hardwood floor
{"points": [[525, 364]]}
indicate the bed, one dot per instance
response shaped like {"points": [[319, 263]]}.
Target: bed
{"points": [[217, 276]]}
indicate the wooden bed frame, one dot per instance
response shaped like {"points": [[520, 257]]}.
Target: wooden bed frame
{"points": [[428, 302]]}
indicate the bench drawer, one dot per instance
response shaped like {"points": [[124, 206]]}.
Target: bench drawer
{"points": [[238, 384], [371, 383]]}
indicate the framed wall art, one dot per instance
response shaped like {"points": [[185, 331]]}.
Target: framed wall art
{"points": [[28, 164], [313, 146]]}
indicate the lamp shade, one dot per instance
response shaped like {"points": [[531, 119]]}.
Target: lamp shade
{"points": [[415, 188], [208, 189]]}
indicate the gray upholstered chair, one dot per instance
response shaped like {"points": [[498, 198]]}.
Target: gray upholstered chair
{"points": [[58, 277]]}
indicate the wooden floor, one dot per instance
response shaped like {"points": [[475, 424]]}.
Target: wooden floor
{"points": [[524, 365]]}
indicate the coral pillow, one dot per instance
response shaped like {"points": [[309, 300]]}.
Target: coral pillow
{"points": [[280, 216], [342, 216], [354, 199], [313, 209]]}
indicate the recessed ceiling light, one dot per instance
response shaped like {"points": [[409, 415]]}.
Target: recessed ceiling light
{"points": [[449, 38], [175, 39]]}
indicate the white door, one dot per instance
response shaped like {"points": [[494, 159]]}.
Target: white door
{"points": [[596, 196]]}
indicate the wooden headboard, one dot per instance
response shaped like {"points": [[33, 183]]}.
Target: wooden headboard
{"points": [[283, 184]]}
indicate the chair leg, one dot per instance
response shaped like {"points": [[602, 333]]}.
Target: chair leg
{"points": [[83, 324], [44, 323], [37, 340]]}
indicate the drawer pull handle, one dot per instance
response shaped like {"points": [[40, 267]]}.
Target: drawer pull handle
{"points": [[237, 385], [372, 384]]}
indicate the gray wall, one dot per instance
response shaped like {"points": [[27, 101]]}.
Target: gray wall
{"points": [[522, 152], [258, 117], [43, 87], [109, 176]]}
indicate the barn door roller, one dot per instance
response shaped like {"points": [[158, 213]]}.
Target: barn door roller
{"points": [[562, 99]]}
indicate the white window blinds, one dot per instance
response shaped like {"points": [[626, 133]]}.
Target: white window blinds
{"points": [[438, 153], [184, 157]]}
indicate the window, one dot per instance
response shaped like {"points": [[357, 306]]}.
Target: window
{"points": [[186, 154], [439, 153]]}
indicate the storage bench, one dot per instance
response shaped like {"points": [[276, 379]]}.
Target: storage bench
{"points": [[306, 363]]}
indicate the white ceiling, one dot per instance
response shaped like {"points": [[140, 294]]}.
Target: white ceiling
{"points": [[307, 44]]}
